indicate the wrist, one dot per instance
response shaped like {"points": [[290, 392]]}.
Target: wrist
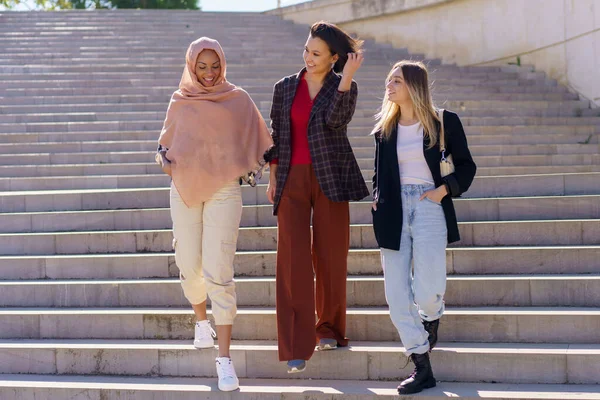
{"points": [[444, 189]]}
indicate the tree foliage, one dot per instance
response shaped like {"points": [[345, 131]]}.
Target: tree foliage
{"points": [[49, 5], [100, 4]]}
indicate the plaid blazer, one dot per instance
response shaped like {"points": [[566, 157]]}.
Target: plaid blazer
{"points": [[335, 166]]}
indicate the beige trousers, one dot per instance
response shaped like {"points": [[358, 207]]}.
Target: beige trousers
{"points": [[204, 241]]}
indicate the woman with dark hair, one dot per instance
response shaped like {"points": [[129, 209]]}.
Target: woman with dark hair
{"points": [[413, 214], [314, 171]]}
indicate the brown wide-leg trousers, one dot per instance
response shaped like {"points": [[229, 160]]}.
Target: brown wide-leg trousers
{"points": [[298, 264]]}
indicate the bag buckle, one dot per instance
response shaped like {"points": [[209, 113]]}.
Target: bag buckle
{"points": [[443, 156]]}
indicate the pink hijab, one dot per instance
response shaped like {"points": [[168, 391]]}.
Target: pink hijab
{"points": [[214, 134]]}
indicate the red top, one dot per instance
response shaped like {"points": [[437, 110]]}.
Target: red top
{"points": [[300, 114]]}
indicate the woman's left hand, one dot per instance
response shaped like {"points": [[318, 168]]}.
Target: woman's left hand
{"points": [[354, 62], [435, 195]]}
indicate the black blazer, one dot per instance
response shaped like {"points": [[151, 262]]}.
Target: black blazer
{"points": [[387, 220]]}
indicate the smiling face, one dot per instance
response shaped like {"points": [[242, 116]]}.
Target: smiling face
{"points": [[208, 67], [317, 56], [396, 88]]}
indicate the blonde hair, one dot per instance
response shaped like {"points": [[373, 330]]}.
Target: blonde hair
{"points": [[417, 81]]}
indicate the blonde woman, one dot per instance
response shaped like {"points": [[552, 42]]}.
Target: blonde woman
{"points": [[413, 214], [213, 134]]}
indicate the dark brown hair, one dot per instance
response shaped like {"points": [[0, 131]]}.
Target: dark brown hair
{"points": [[338, 41]]}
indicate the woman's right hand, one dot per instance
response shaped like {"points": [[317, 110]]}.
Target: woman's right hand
{"points": [[167, 168], [272, 186], [164, 162], [271, 191]]}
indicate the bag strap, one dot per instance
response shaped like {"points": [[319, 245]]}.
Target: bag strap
{"points": [[442, 132]]}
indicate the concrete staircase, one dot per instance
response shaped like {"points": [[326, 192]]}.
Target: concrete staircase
{"points": [[90, 303]]}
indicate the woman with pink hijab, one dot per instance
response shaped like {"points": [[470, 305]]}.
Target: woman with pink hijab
{"points": [[212, 136]]}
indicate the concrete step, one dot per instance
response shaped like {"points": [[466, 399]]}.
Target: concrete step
{"points": [[151, 168], [26, 155], [33, 113], [581, 181], [156, 25], [588, 157], [71, 17], [65, 136], [92, 115], [85, 37], [473, 234], [132, 198], [501, 108], [519, 325], [453, 91], [262, 39], [173, 58], [459, 261], [441, 84], [262, 42], [94, 36], [484, 186], [234, 70], [164, 98], [81, 158], [93, 169], [79, 147], [84, 182], [13, 387], [363, 291], [248, 57], [358, 137], [92, 27], [360, 126], [146, 168], [88, 159], [115, 142], [507, 124], [168, 84], [474, 209], [488, 137], [552, 363]]}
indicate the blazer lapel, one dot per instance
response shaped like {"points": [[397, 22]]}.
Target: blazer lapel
{"points": [[325, 93], [432, 157], [392, 154], [290, 93]]}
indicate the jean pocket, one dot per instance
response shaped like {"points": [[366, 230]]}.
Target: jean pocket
{"points": [[433, 202]]}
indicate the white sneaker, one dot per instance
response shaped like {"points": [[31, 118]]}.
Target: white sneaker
{"points": [[228, 380], [204, 335]]}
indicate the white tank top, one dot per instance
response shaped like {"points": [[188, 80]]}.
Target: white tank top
{"points": [[411, 161]]}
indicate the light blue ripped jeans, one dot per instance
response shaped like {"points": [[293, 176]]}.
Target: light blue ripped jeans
{"points": [[417, 293]]}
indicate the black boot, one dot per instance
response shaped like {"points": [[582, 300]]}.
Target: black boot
{"points": [[432, 329], [421, 378]]}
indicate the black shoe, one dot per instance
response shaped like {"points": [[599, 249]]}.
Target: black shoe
{"points": [[421, 378], [432, 329]]}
